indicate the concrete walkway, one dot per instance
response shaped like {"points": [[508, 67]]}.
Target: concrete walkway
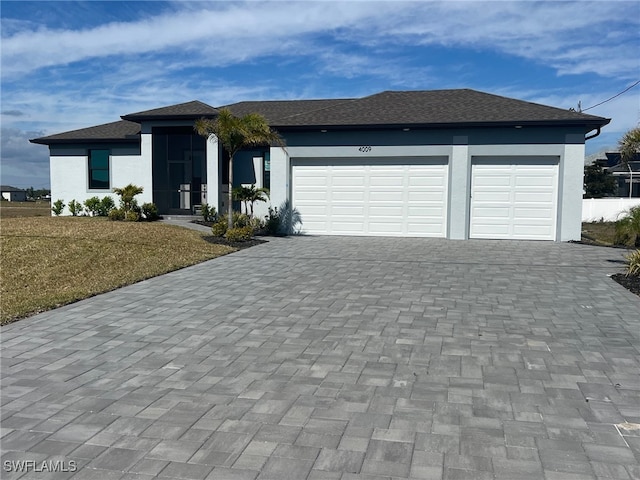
{"points": [[325, 358]]}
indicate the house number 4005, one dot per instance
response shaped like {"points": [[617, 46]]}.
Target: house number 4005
{"points": [[365, 148]]}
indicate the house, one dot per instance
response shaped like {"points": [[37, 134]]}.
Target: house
{"points": [[13, 194], [446, 163], [627, 174]]}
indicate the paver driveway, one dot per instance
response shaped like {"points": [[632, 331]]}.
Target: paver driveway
{"points": [[338, 358]]}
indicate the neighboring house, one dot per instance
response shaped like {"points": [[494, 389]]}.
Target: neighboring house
{"points": [[448, 163], [627, 175], [13, 194]]}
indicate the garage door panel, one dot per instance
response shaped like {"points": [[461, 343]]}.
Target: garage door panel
{"points": [[534, 182], [351, 210], [534, 197], [501, 196], [514, 200], [386, 181], [487, 213], [347, 181], [386, 197], [426, 197], [346, 196], [347, 227]]}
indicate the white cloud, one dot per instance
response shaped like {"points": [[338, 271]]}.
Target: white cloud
{"points": [[573, 37]]}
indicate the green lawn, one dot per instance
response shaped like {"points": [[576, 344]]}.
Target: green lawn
{"points": [[51, 261], [599, 233]]}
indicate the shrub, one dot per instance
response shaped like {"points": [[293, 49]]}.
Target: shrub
{"points": [[208, 213], [131, 216], [272, 223], [75, 207], [241, 220], [284, 220], [633, 264], [220, 227], [256, 224], [628, 228], [116, 214], [99, 208], [92, 205], [150, 212], [57, 208], [106, 205], [239, 234]]}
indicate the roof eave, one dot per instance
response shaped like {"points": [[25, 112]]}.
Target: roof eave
{"points": [[594, 123], [62, 141]]}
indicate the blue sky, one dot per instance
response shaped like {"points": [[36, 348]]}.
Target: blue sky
{"points": [[68, 65]]}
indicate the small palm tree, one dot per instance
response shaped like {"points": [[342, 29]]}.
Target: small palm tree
{"points": [[236, 133], [126, 194], [629, 145], [250, 195]]}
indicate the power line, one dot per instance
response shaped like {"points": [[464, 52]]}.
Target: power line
{"points": [[609, 99]]}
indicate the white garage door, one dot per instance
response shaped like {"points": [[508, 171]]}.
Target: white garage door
{"points": [[514, 199], [385, 197]]}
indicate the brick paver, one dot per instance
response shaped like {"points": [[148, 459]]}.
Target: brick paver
{"points": [[337, 358]]}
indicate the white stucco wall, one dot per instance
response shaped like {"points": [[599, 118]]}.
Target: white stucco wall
{"points": [[70, 178], [570, 185]]}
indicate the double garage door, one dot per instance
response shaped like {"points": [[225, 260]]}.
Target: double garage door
{"points": [[510, 198], [390, 197]]}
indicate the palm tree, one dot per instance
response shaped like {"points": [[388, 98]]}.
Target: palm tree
{"points": [[629, 145], [127, 202], [236, 133], [250, 195]]}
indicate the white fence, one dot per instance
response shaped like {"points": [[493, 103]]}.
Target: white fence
{"points": [[607, 209]]}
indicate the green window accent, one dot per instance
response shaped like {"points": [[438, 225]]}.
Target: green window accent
{"points": [[266, 171], [99, 169]]}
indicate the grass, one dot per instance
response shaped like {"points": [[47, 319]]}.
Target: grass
{"points": [[47, 262], [41, 208], [599, 233]]}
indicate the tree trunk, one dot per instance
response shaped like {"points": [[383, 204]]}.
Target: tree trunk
{"points": [[230, 199]]}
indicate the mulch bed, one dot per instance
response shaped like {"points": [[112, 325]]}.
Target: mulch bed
{"points": [[631, 283], [239, 245]]}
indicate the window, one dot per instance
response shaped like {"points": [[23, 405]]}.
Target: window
{"points": [[99, 169], [266, 171]]}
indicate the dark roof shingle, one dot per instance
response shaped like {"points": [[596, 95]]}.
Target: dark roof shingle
{"points": [[425, 108], [121, 131], [188, 110], [432, 107]]}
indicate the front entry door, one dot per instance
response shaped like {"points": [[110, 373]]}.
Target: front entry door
{"points": [[179, 170]]}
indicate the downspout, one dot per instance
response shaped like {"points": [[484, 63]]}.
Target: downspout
{"points": [[630, 180]]}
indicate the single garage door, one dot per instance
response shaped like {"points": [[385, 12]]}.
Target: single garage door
{"points": [[384, 197], [514, 198]]}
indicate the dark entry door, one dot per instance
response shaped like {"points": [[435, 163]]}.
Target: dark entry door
{"points": [[179, 169]]}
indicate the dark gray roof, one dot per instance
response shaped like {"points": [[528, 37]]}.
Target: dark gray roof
{"points": [[122, 131], [7, 188], [188, 110], [426, 108], [279, 112]]}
